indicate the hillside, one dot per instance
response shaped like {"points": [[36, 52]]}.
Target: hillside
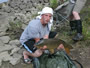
{"points": [[10, 47]]}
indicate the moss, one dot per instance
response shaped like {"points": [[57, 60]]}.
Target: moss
{"points": [[53, 3]]}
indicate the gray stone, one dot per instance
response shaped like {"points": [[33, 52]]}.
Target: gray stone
{"points": [[14, 42], [5, 48], [5, 39], [14, 50], [4, 23], [0, 62], [22, 6], [1, 43], [16, 59], [7, 9], [46, 1], [4, 56], [2, 33]]}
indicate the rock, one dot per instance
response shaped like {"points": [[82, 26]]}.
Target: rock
{"points": [[5, 39], [2, 33], [6, 48], [14, 42], [14, 50], [0, 62], [16, 59], [4, 56], [4, 22], [1, 43]]}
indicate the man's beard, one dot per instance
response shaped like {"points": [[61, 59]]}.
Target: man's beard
{"points": [[44, 24]]}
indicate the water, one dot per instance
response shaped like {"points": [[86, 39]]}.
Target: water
{"points": [[1, 1]]}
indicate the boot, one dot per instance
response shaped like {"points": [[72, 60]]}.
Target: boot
{"points": [[79, 35], [72, 27]]}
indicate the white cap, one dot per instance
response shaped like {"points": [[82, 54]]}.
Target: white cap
{"points": [[46, 10]]}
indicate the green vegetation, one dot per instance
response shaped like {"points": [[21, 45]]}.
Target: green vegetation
{"points": [[85, 17], [86, 28], [15, 30], [53, 3], [85, 14]]}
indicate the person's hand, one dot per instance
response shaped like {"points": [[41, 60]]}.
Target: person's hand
{"points": [[61, 46], [44, 47], [39, 52]]}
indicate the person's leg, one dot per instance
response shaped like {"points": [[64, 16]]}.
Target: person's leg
{"points": [[29, 56], [77, 8], [79, 35], [78, 22], [30, 51], [28, 45], [72, 27]]}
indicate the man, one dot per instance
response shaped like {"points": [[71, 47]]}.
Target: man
{"points": [[75, 20], [37, 29]]}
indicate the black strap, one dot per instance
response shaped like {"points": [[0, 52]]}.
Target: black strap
{"points": [[78, 63], [74, 60]]}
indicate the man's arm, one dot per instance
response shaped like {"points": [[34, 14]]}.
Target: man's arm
{"points": [[36, 39]]}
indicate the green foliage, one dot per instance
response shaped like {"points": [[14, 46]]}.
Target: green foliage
{"points": [[15, 25], [53, 3], [15, 30], [86, 30], [85, 14]]}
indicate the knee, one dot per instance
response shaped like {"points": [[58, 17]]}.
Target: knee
{"points": [[24, 52], [74, 13]]}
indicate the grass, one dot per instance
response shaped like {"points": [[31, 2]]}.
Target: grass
{"points": [[53, 3], [85, 16], [14, 31]]}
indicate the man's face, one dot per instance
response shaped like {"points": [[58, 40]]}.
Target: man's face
{"points": [[46, 18]]}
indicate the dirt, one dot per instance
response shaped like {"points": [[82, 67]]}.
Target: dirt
{"points": [[82, 55]]}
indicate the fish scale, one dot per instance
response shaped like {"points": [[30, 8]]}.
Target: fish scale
{"points": [[52, 44]]}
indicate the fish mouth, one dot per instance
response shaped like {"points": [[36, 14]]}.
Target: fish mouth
{"points": [[39, 42]]}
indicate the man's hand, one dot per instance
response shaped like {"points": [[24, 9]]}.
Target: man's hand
{"points": [[39, 52], [36, 39], [45, 37]]}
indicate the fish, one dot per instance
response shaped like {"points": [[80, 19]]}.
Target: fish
{"points": [[53, 43]]}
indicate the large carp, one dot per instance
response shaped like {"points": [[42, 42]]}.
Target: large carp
{"points": [[52, 44]]}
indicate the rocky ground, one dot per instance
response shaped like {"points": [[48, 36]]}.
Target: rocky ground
{"points": [[9, 55], [11, 50]]}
